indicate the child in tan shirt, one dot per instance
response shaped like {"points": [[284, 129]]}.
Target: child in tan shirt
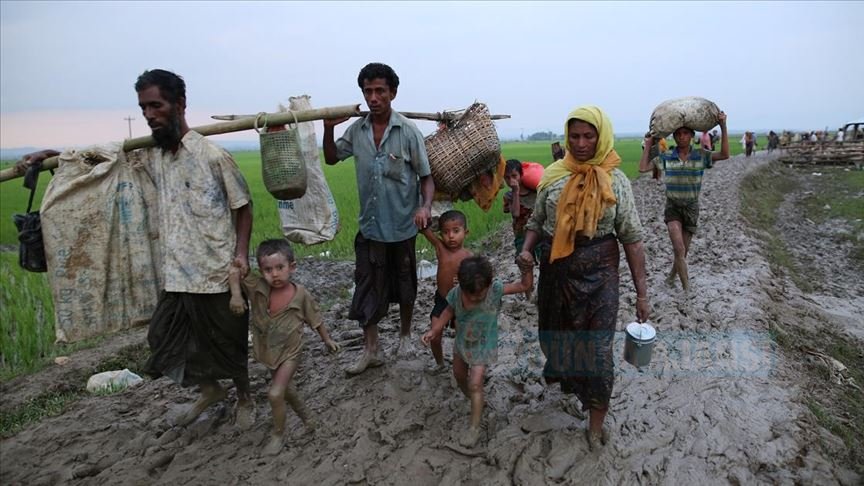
{"points": [[279, 307]]}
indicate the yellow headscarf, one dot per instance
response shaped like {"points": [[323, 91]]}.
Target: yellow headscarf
{"points": [[588, 193]]}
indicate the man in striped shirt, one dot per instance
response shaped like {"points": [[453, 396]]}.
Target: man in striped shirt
{"points": [[683, 167]]}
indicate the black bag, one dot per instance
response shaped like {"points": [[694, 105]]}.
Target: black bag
{"points": [[31, 252]]}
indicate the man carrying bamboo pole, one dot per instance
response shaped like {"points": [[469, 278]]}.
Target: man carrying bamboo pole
{"points": [[392, 174], [205, 216]]}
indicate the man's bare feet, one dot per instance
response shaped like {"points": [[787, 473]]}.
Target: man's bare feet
{"points": [[244, 413], [274, 446], [472, 435], [368, 360], [406, 348], [572, 406], [209, 396]]}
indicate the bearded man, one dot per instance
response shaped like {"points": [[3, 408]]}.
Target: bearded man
{"points": [[205, 220]]}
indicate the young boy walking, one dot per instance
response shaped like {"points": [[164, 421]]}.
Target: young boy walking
{"points": [[279, 309], [684, 167], [452, 230]]}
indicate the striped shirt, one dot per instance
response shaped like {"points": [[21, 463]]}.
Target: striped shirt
{"points": [[683, 177]]}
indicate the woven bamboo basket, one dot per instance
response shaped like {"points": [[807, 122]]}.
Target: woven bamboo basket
{"points": [[282, 166], [460, 152]]}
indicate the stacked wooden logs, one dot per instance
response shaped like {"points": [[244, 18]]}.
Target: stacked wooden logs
{"points": [[824, 153]]}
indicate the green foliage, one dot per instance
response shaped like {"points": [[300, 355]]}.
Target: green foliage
{"points": [[26, 318], [45, 405], [541, 136]]}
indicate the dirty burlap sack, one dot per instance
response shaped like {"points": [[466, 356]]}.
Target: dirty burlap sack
{"points": [[312, 218], [692, 112], [100, 227]]}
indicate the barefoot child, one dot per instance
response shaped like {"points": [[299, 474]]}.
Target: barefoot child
{"points": [[452, 229], [475, 304], [279, 309], [519, 202]]}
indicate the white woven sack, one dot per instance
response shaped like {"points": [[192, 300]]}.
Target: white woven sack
{"points": [[99, 224], [691, 112], [312, 218]]}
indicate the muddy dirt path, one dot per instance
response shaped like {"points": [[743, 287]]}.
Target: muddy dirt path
{"points": [[718, 404]]}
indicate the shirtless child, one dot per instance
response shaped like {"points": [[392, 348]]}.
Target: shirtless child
{"points": [[279, 309], [452, 229]]}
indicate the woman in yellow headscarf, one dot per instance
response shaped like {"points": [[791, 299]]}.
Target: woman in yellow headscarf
{"points": [[584, 208]]}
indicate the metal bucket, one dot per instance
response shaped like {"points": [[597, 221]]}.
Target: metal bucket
{"points": [[639, 343]]}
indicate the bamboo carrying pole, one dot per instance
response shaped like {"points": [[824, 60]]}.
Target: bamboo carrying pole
{"points": [[237, 125], [439, 116]]}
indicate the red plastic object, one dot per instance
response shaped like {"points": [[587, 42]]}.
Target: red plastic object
{"points": [[532, 172]]}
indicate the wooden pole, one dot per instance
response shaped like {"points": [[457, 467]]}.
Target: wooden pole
{"points": [[280, 118], [440, 116]]}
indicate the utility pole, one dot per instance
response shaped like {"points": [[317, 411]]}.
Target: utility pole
{"points": [[129, 121]]}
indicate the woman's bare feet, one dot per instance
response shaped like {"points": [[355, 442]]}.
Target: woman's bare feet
{"points": [[595, 439], [472, 435]]}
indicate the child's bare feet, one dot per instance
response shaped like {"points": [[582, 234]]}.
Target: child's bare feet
{"points": [[209, 395], [244, 413], [472, 435], [274, 446], [437, 369], [670, 279], [368, 360]]}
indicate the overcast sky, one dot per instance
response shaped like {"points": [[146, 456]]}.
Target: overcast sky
{"points": [[67, 69]]}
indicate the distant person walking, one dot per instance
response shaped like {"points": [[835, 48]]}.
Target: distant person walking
{"points": [[749, 143], [773, 141], [705, 141], [658, 148]]}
